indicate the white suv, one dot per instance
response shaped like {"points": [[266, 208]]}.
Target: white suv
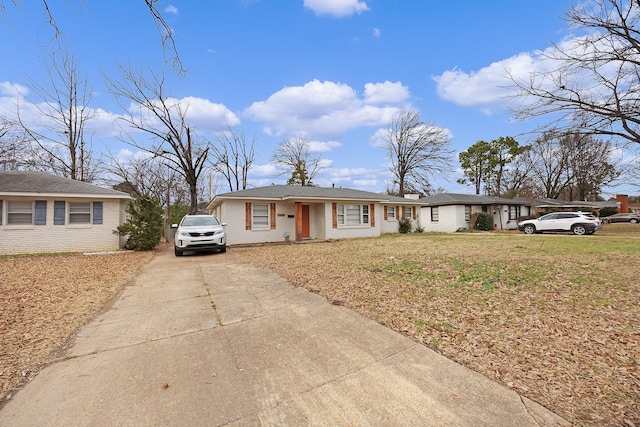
{"points": [[199, 233], [576, 222]]}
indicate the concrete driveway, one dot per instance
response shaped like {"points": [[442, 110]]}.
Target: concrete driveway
{"points": [[209, 340]]}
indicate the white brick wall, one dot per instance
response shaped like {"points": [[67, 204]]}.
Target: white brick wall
{"points": [[20, 239]]}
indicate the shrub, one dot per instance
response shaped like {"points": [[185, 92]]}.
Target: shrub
{"points": [[484, 221], [144, 226], [404, 225], [608, 211]]}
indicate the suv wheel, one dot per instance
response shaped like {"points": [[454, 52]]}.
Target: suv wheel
{"points": [[223, 249], [579, 229], [633, 221], [529, 229], [176, 251]]}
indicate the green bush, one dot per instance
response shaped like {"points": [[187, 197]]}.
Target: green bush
{"points": [[484, 221], [607, 212], [144, 226], [404, 225]]}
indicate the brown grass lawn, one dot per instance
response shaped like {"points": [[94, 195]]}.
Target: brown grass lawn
{"points": [[554, 317], [44, 300]]}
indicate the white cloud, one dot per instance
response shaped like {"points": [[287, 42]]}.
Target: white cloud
{"points": [[387, 92], [337, 8], [376, 32], [200, 113], [492, 87], [323, 146], [327, 109], [171, 9]]}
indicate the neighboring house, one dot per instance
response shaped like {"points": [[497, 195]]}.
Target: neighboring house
{"points": [[40, 212], [291, 212], [448, 212], [576, 205]]}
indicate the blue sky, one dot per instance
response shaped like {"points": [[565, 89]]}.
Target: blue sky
{"points": [[333, 70]]}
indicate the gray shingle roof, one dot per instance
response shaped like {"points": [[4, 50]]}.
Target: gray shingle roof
{"points": [[283, 192], [42, 183], [470, 199]]}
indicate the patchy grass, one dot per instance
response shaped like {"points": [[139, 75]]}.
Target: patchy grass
{"points": [[554, 317], [44, 300]]}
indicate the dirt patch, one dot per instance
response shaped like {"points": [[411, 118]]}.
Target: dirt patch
{"points": [[44, 300], [555, 318]]}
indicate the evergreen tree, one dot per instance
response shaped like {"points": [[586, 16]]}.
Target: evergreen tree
{"points": [[144, 226]]}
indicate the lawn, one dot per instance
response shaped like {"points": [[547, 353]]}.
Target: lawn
{"points": [[44, 300], [553, 317]]}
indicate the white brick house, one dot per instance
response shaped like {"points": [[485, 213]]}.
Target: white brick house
{"points": [[280, 212], [448, 212], [42, 213]]}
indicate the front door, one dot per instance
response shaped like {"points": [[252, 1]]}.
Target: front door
{"points": [[305, 221]]}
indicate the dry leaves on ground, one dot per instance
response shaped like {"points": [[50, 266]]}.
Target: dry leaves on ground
{"points": [[44, 300], [555, 318]]}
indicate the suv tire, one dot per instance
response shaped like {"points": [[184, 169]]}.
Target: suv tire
{"points": [[529, 229], [579, 230], [176, 251]]}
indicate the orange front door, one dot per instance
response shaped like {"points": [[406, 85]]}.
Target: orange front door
{"points": [[305, 221]]}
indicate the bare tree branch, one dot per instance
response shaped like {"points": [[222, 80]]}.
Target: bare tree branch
{"points": [[417, 151], [593, 82]]}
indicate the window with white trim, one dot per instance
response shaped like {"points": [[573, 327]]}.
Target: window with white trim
{"points": [[391, 213], [19, 212], [79, 213], [260, 216], [353, 214], [435, 214], [467, 213], [408, 212]]}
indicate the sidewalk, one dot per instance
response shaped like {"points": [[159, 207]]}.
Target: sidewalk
{"points": [[208, 340]]}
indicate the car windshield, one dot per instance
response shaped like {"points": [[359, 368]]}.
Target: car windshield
{"points": [[199, 221]]}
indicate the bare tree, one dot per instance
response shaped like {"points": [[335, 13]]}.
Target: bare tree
{"points": [[163, 119], [294, 157], [58, 141], [592, 83], [12, 145], [417, 151], [233, 157], [570, 165]]}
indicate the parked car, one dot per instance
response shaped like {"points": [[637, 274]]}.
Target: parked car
{"points": [[622, 217], [575, 222], [199, 233]]}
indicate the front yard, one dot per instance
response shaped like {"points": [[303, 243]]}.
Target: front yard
{"points": [[554, 317], [44, 300]]}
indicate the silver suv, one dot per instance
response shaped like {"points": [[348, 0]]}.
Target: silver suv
{"points": [[199, 233], [576, 222]]}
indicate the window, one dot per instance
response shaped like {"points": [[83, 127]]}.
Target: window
{"points": [[391, 213], [79, 213], [467, 213], [353, 214], [59, 207], [514, 212], [260, 215], [408, 212], [19, 213], [435, 214]]}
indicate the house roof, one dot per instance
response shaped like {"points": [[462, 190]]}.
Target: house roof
{"points": [[554, 203], [299, 192], [470, 199], [42, 184]]}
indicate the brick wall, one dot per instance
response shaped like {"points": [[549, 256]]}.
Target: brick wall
{"points": [[20, 239]]}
